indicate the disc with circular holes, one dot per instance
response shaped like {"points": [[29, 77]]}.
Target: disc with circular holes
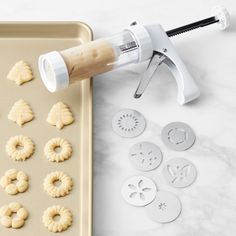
{"points": [[139, 191], [179, 172], [128, 123], [145, 156], [165, 208], [178, 136]]}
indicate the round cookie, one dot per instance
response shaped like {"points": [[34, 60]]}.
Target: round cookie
{"points": [[62, 224], [58, 191], [54, 156], [20, 148]]}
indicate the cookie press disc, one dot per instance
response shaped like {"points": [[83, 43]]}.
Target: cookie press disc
{"points": [[139, 191], [145, 156], [128, 123], [179, 172], [178, 136], [165, 208]]}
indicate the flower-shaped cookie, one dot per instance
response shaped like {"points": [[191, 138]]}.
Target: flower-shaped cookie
{"points": [[12, 188], [7, 211]]}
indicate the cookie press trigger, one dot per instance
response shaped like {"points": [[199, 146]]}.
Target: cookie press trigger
{"points": [[164, 52]]}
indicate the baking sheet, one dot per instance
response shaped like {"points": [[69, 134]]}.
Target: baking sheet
{"points": [[26, 41]]}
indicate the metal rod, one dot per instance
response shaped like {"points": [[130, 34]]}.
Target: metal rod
{"points": [[192, 26]]}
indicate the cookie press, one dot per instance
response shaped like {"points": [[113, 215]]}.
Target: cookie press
{"points": [[135, 44]]}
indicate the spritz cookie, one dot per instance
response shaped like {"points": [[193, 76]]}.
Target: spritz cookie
{"points": [[20, 147], [7, 211], [12, 188], [62, 224], [64, 152], [64, 187], [60, 115], [20, 73], [21, 113]]}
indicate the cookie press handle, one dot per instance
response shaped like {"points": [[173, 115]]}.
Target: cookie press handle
{"points": [[164, 50], [187, 87]]}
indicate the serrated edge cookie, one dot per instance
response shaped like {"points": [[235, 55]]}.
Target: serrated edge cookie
{"points": [[20, 73]]}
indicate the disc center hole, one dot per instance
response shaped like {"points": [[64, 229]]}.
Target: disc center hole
{"points": [[14, 181], [57, 217], [57, 149], [14, 215], [19, 147], [57, 182]]}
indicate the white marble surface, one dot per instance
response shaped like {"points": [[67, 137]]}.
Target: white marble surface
{"points": [[209, 205]]}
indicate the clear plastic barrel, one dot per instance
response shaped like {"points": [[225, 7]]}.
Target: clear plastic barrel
{"points": [[100, 55], [59, 69], [125, 47]]}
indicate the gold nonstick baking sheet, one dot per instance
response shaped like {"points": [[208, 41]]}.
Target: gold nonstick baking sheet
{"points": [[26, 41]]}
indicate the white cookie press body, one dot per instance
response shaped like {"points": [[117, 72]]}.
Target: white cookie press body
{"points": [[134, 44], [162, 51]]}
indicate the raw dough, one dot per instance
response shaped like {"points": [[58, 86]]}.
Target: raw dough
{"points": [[5, 181], [11, 189], [20, 73], [14, 188], [14, 206], [6, 212], [58, 191], [57, 226], [6, 221], [54, 156], [21, 113], [60, 115], [89, 59], [17, 154], [22, 213]]}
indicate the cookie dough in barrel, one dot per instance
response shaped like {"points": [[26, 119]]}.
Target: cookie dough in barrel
{"points": [[98, 55]]}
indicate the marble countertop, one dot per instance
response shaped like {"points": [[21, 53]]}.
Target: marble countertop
{"points": [[209, 205]]}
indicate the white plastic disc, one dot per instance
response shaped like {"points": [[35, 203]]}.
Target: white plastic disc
{"points": [[179, 172], [128, 123], [165, 208], [145, 156], [178, 136], [139, 191]]}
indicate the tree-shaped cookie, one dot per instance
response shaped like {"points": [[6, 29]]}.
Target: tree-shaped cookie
{"points": [[21, 112], [60, 115], [20, 73]]}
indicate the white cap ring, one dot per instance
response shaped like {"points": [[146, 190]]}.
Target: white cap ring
{"points": [[53, 71]]}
